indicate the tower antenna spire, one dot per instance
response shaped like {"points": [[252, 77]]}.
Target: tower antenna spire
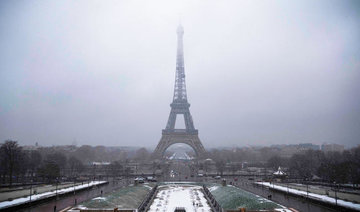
{"points": [[180, 86]]}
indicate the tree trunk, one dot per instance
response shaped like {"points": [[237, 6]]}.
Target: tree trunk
{"points": [[10, 175]]}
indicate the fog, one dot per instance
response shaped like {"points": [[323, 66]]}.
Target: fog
{"points": [[257, 72]]}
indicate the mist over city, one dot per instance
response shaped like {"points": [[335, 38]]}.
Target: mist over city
{"points": [[257, 72], [180, 106]]}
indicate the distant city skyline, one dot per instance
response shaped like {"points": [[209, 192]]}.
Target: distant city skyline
{"points": [[257, 72], [319, 146]]}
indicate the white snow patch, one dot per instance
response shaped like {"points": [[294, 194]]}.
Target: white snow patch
{"points": [[147, 186], [213, 188], [283, 210], [319, 197], [44, 195], [189, 197], [179, 182], [99, 198]]}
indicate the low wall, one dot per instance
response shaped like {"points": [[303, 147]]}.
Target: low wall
{"points": [[331, 193]]}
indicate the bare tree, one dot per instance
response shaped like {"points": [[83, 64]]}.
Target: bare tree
{"points": [[50, 171], [220, 165], [116, 169], [276, 161], [75, 166], [35, 160], [55, 164], [142, 154], [11, 154]]}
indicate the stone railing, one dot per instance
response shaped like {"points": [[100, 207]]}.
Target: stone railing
{"points": [[213, 203], [145, 204]]}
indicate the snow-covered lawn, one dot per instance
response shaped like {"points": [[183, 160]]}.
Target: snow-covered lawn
{"points": [[319, 197], [189, 197], [23, 200]]}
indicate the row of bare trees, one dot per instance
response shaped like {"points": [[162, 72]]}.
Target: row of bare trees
{"points": [[49, 163], [339, 167], [18, 165]]}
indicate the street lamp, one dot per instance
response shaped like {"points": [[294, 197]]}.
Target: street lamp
{"points": [[74, 191], [74, 185], [31, 181], [56, 197], [307, 188], [335, 193], [56, 188], [94, 171], [287, 185]]}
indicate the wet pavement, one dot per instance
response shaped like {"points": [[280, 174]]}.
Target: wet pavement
{"points": [[39, 189], [75, 198], [290, 201]]}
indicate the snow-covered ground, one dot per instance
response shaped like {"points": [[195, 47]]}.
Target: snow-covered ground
{"points": [[172, 196], [45, 195], [177, 156], [319, 197]]}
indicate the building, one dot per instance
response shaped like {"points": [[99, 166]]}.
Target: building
{"points": [[332, 147], [287, 151], [308, 146]]}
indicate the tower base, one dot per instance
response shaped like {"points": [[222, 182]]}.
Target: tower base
{"points": [[168, 139]]}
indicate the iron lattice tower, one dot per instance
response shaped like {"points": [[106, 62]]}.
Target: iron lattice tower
{"points": [[180, 106]]}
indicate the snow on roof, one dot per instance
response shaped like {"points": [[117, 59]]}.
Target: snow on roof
{"points": [[279, 172], [100, 163]]}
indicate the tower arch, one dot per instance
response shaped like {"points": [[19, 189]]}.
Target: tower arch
{"points": [[168, 140]]}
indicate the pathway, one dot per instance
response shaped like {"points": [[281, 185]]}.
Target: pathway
{"points": [[172, 196]]}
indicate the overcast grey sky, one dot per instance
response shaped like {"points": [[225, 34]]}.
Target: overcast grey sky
{"points": [[257, 72]]}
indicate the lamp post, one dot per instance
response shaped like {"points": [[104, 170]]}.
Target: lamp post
{"points": [[74, 186], [335, 193], [74, 191], [94, 172], [57, 181], [307, 188], [31, 181], [56, 188], [287, 185]]}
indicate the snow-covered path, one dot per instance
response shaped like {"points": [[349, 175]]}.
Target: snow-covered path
{"points": [[45, 195], [318, 197], [189, 197]]}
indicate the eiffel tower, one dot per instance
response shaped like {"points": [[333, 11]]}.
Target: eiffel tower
{"points": [[180, 106]]}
